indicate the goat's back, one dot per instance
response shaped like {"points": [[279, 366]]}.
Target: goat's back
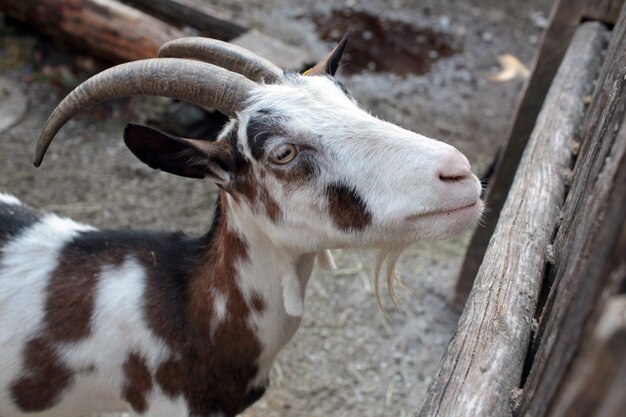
{"points": [[72, 328]]}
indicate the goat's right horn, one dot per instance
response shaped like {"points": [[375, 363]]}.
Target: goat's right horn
{"points": [[192, 81], [223, 54]]}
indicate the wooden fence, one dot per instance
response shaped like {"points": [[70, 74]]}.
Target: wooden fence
{"points": [[543, 332]]}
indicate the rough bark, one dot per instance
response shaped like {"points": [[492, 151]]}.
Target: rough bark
{"points": [[103, 28], [565, 17], [590, 244], [597, 382], [483, 362], [182, 13]]}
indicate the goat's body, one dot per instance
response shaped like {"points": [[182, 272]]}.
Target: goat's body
{"points": [[166, 325], [136, 327]]}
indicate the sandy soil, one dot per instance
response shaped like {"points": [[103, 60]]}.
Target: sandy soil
{"points": [[348, 358]]}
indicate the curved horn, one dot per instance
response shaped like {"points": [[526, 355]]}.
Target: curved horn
{"points": [[196, 82], [223, 54]]}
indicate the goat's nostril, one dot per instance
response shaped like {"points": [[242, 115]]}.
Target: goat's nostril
{"points": [[455, 169], [452, 178]]}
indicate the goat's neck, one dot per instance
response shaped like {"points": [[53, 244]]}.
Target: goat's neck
{"points": [[253, 276]]}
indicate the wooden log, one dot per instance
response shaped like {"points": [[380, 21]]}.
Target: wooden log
{"points": [[565, 18], [119, 33], [200, 16], [588, 244], [483, 362], [563, 22], [603, 10], [104, 28], [597, 383]]}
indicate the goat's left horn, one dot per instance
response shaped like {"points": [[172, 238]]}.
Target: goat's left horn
{"points": [[196, 82], [223, 54]]}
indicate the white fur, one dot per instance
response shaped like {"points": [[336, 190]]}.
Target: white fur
{"points": [[118, 316], [220, 305], [396, 172], [293, 294], [26, 264], [9, 199]]}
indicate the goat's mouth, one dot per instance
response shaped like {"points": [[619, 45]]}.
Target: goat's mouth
{"points": [[476, 205]]}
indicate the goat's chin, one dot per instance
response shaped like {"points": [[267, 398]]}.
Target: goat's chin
{"points": [[401, 232], [445, 224]]}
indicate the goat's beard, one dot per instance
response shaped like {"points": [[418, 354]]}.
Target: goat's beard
{"points": [[386, 259]]}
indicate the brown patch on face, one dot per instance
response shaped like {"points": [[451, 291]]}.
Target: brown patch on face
{"points": [[44, 379], [248, 186], [297, 173], [270, 205], [347, 208], [138, 382], [245, 184]]}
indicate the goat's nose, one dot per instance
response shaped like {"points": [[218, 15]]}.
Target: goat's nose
{"points": [[454, 168]]}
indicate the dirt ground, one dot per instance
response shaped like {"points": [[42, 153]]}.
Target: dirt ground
{"points": [[348, 358]]}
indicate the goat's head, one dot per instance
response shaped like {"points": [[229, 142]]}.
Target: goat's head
{"points": [[299, 156]]}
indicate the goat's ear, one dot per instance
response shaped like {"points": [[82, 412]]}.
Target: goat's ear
{"points": [[185, 157], [330, 63]]}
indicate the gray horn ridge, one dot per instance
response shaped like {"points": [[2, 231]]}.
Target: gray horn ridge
{"points": [[192, 81], [225, 55]]}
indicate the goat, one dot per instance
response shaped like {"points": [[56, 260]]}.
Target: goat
{"points": [[163, 324]]}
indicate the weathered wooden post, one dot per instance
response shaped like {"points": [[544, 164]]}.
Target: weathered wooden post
{"points": [[533, 339], [565, 17], [484, 361]]}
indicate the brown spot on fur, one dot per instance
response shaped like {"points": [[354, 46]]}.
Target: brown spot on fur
{"points": [[138, 382], [214, 361], [270, 205], [170, 377], [44, 379], [226, 362], [70, 301], [347, 208], [245, 184], [71, 294], [248, 185], [297, 173], [257, 302]]}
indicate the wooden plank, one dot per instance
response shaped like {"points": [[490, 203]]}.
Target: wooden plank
{"points": [[597, 383], [585, 244], [484, 359], [603, 10], [103, 28], [181, 13], [564, 19]]}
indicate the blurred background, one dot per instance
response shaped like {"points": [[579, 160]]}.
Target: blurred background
{"points": [[448, 69]]}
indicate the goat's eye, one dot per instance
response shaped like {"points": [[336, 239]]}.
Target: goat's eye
{"points": [[283, 154]]}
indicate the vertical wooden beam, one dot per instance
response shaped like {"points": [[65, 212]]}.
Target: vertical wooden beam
{"points": [[590, 244], [565, 17], [597, 383], [603, 10], [485, 358]]}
